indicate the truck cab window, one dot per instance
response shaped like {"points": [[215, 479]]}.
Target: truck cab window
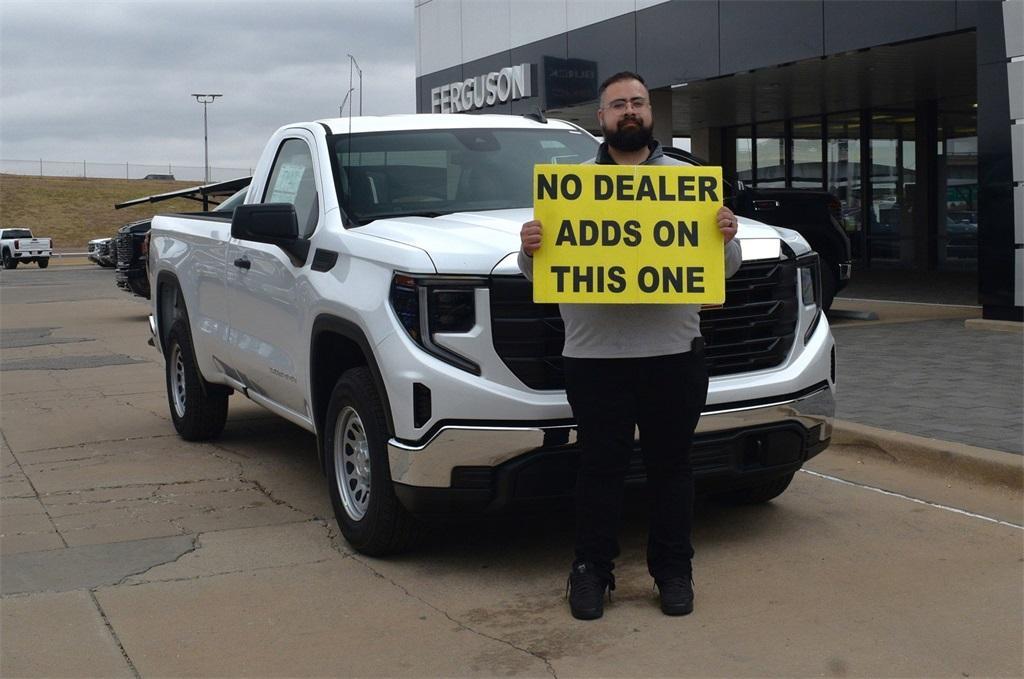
{"points": [[291, 181]]}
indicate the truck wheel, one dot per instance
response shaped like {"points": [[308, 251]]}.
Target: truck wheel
{"points": [[358, 473], [43, 263], [198, 408], [756, 495], [9, 262]]}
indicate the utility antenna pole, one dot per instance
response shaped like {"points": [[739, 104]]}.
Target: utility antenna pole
{"points": [[341, 109], [205, 99], [353, 63]]}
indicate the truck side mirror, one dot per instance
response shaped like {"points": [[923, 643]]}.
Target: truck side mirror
{"points": [[272, 223]]}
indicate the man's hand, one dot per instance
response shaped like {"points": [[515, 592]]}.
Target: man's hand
{"points": [[727, 223], [530, 237]]}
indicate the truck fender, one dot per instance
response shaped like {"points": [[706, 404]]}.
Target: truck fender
{"points": [[336, 345], [836, 251], [170, 304]]}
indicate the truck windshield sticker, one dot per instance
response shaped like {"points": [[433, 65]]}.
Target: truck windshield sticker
{"points": [[643, 234], [287, 182]]}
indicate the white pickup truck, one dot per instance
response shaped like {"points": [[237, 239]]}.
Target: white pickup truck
{"points": [[18, 246], [367, 291]]}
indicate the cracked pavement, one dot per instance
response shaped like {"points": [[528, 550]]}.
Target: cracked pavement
{"points": [[125, 551]]}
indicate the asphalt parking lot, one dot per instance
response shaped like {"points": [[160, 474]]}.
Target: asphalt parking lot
{"points": [[125, 551]]}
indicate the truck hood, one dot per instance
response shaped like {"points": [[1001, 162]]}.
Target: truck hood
{"points": [[475, 242]]}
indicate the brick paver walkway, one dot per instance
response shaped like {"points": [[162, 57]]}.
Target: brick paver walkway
{"points": [[934, 378]]}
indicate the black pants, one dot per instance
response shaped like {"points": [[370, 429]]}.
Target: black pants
{"points": [[664, 396]]}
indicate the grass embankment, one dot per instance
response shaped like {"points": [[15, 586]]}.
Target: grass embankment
{"points": [[73, 210]]}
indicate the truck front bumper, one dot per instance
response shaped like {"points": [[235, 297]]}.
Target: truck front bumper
{"points": [[134, 280], [488, 468]]}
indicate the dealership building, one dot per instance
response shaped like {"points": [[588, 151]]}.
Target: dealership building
{"points": [[911, 113]]}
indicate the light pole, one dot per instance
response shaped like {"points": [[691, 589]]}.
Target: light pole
{"points": [[205, 99], [352, 62]]}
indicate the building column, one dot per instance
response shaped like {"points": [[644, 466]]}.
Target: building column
{"points": [[1013, 24], [661, 107], [925, 227], [706, 144], [1000, 163]]}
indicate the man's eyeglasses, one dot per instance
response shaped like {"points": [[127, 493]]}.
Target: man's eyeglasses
{"points": [[619, 105]]}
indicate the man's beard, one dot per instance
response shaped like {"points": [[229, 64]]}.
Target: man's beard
{"points": [[629, 138]]}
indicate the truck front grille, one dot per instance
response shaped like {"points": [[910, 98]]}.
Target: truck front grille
{"points": [[528, 337], [124, 250], [753, 330]]}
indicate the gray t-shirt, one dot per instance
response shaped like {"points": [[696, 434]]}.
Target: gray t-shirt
{"points": [[632, 330]]}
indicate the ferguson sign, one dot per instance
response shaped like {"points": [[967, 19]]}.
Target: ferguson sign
{"points": [[497, 87]]}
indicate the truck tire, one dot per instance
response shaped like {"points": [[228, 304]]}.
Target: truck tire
{"points": [[354, 442], [9, 262], [198, 408], [760, 494], [43, 262]]}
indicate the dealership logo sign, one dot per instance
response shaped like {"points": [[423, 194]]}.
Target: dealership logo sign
{"points": [[496, 87]]}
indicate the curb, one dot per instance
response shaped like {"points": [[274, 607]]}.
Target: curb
{"points": [[998, 326], [969, 463]]}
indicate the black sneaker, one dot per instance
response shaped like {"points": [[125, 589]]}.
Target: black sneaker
{"points": [[676, 596], [585, 589]]}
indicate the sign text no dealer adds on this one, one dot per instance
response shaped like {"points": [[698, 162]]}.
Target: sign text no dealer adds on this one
{"points": [[628, 234]]}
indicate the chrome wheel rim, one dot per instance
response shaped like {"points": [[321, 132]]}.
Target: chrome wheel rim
{"points": [[178, 381], [352, 463]]}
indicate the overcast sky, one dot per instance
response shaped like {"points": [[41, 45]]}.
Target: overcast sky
{"points": [[110, 81]]}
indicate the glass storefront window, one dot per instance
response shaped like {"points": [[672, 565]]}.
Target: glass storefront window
{"points": [[771, 155], [744, 154], [881, 202], [958, 191], [893, 178], [807, 153], [843, 167]]}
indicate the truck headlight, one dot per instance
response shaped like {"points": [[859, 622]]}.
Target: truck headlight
{"points": [[430, 305], [451, 310], [810, 292]]}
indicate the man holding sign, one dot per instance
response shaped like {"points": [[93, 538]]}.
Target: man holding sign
{"points": [[630, 247]]}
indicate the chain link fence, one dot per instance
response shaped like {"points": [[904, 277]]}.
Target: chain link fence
{"points": [[57, 168]]}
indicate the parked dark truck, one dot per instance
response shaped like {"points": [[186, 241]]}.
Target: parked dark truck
{"points": [[812, 214], [815, 216], [131, 241]]}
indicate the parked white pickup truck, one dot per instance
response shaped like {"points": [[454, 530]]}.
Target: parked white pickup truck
{"points": [[367, 291], [18, 246]]}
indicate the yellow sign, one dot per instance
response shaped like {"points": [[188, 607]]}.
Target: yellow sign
{"points": [[643, 234]]}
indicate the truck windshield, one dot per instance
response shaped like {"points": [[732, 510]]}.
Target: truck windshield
{"points": [[436, 172], [17, 233]]}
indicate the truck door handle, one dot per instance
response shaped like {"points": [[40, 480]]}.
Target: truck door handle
{"points": [[243, 263]]}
